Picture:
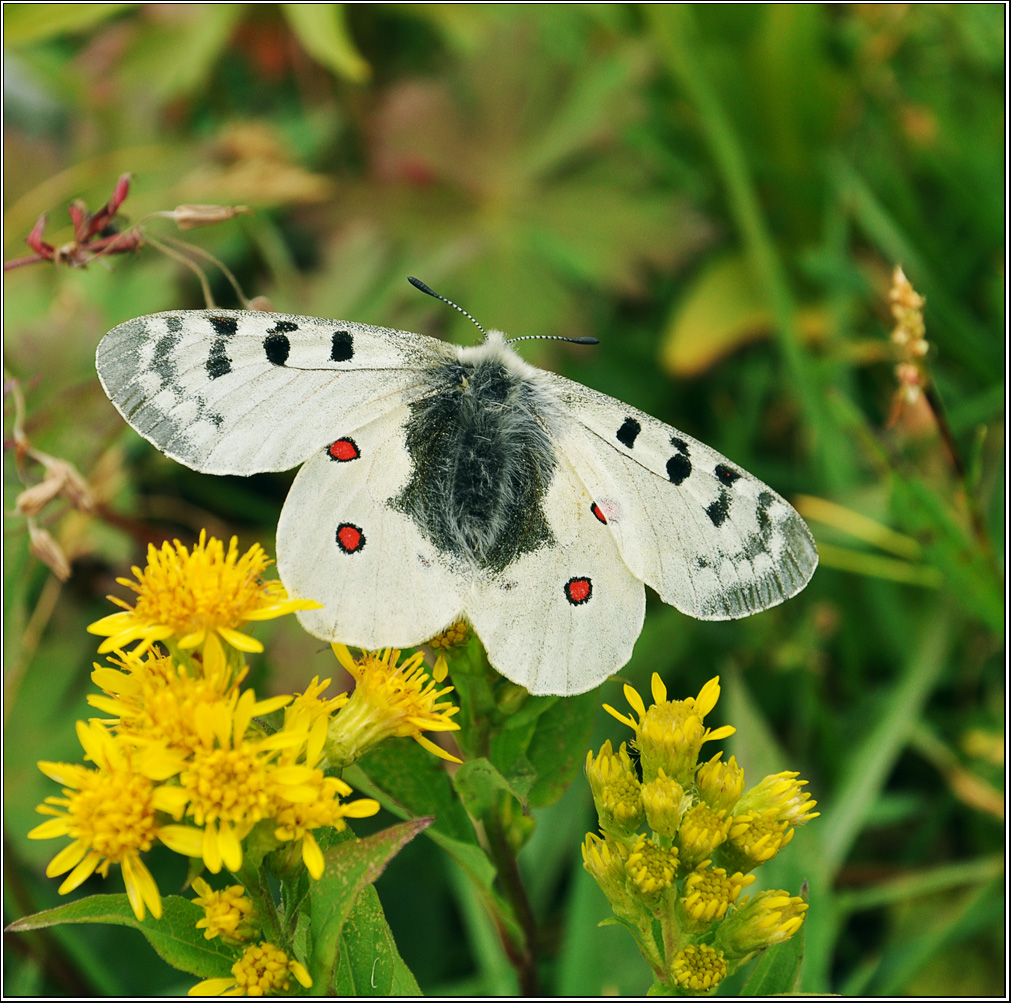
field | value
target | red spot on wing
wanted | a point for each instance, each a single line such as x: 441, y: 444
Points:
x: 578, y: 590
x: 343, y: 450
x: 595, y: 509
x: 350, y: 538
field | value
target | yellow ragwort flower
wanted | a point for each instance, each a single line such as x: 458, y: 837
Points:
x: 781, y: 795
x: 701, y: 831
x: 234, y: 779
x: 455, y: 634
x: 605, y: 858
x: 670, y: 734
x: 110, y: 813
x: 651, y: 867
x: 389, y: 700
x: 698, y: 968
x: 755, y: 839
x: 228, y: 914
x: 197, y: 597
x: 720, y: 784
x: 665, y: 803
x: 151, y: 698
x: 296, y: 819
x: 263, y: 970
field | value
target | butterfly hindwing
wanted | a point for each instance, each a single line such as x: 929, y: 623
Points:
x: 343, y: 542
x: 243, y: 391
x: 565, y: 616
x: 711, y: 539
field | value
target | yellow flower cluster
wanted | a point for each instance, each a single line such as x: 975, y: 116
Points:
x: 181, y: 756
x: 707, y: 834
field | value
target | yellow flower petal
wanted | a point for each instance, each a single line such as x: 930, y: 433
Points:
x: 312, y: 857
x: 183, y: 839
x: 708, y: 695
x: 635, y: 701
x: 240, y: 641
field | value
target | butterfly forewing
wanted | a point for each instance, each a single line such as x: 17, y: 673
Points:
x: 711, y: 539
x: 242, y: 392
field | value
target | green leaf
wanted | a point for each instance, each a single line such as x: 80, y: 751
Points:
x: 411, y: 783
x: 369, y: 963
x: 175, y: 936
x: 32, y: 22
x: 478, y: 783
x: 351, y: 866
x: 322, y: 30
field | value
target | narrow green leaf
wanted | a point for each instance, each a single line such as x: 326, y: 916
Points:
x: 350, y: 867
x: 411, y: 782
x: 322, y: 30
x: 175, y: 936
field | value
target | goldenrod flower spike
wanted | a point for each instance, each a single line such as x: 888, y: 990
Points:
x: 687, y: 915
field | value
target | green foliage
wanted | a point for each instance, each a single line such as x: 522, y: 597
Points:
x: 720, y: 195
x: 174, y: 936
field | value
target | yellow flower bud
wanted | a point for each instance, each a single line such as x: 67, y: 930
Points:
x: 665, y: 802
x: 698, y: 968
x: 760, y: 921
x: 720, y: 784
x: 616, y: 790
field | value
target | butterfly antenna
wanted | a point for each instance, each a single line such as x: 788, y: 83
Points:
x: 418, y: 284
x: 555, y: 337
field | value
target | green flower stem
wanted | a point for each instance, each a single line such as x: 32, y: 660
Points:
x: 254, y: 880
x: 522, y: 956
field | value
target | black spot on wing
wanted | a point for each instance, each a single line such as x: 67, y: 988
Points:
x: 678, y: 468
x: 626, y: 435
x: 224, y: 326
x: 163, y: 362
x: 679, y: 444
x: 726, y: 474
x: 719, y: 509
x: 218, y: 363
x: 342, y: 348
x: 276, y: 347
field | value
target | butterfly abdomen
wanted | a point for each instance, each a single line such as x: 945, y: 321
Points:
x: 482, y: 461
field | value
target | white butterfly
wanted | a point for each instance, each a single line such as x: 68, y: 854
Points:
x: 441, y: 481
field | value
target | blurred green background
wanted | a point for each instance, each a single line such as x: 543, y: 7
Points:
x: 720, y: 194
